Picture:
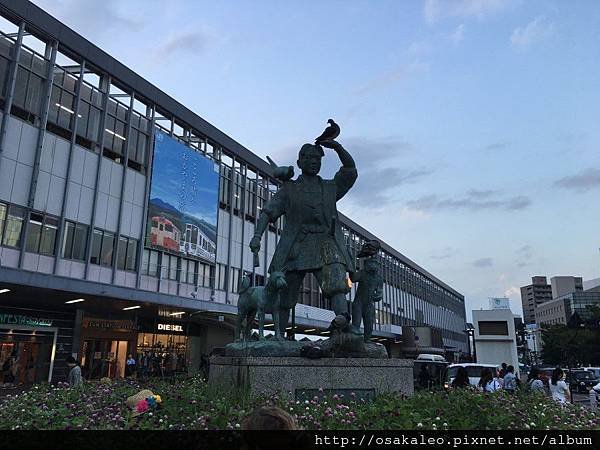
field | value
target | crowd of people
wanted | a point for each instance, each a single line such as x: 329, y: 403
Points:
x: 506, y: 380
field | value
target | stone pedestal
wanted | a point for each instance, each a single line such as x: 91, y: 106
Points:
x: 302, y: 378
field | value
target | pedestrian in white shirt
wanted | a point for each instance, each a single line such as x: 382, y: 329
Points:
x: 558, y: 387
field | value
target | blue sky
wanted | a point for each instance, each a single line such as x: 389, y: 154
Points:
x: 474, y: 122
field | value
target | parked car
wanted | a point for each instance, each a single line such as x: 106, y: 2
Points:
x: 473, y: 370
x: 581, y: 380
x: 596, y: 370
x: 429, y: 374
x: 430, y: 357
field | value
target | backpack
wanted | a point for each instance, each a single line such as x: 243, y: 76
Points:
x: 510, y: 382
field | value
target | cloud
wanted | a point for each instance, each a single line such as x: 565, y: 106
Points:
x: 400, y: 73
x: 524, y: 256
x: 435, y: 10
x: 512, y: 291
x: 483, y: 262
x: 183, y: 42
x: 496, y: 146
x: 582, y: 182
x: 458, y: 35
x: 474, y: 200
x: 93, y: 17
x: 373, y: 189
x: 444, y: 253
x: 380, y: 168
x: 535, y: 31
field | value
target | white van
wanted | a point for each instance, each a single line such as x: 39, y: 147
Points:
x: 473, y: 370
x: 430, y: 357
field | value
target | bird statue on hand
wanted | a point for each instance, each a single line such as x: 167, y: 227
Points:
x: 282, y: 173
x: 330, y: 133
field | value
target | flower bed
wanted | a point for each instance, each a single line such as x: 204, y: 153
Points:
x: 190, y: 404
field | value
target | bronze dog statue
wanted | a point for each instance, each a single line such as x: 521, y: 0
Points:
x: 259, y: 300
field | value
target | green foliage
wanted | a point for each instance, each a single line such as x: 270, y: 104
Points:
x: 571, y: 347
x: 190, y: 404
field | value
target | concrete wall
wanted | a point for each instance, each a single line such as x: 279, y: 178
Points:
x: 496, y: 349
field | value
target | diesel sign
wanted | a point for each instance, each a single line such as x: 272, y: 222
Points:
x: 169, y: 327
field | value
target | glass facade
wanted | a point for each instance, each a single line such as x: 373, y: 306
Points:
x: 91, y: 109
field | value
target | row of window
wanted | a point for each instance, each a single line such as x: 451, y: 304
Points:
x: 103, y: 247
x: 172, y: 267
x: 32, y: 72
x: 42, y: 233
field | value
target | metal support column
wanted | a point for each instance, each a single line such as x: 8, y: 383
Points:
x: 63, y: 209
x: 104, y: 84
x: 10, y: 85
x: 51, y: 59
x: 150, y: 111
x: 43, y: 120
x: 115, y: 254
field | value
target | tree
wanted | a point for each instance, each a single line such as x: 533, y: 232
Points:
x: 572, y: 345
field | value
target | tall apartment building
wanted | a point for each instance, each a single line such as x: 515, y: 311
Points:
x: 539, y: 291
x: 563, y: 285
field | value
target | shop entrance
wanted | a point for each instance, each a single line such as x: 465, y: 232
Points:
x: 25, y: 357
x: 103, y: 358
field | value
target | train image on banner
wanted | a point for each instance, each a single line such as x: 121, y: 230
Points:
x: 164, y: 234
x: 196, y: 243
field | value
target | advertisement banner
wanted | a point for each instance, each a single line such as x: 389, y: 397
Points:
x: 184, y: 195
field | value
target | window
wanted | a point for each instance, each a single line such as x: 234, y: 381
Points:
x: 3, y: 208
x: 108, y: 243
x: 102, y: 247
x: 172, y: 274
x: 153, y: 264
x: 14, y: 226
x: 41, y: 234
x: 234, y: 279
x: 127, y: 254
x: 499, y: 327
x: 96, y: 245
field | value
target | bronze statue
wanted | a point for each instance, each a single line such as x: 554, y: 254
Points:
x: 259, y: 300
x: 312, y: 239
x: 369, y: 290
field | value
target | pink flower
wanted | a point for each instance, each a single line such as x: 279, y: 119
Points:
x: 142, y: 406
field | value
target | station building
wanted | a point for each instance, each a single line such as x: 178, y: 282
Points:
x: 89, y: 268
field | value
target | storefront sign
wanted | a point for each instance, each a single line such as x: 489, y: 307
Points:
x: 169, y: 327
x: 110, y: 324
x: 17, y: 319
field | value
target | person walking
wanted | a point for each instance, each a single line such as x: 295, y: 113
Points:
x: 534, y: 381
x: 510, y: 380
x: 461, y: 380
x: 558, y: 387
x: 488, y: 382
x: 130, y: 366
x: 145, y: 364
x: 502, y: 370
x: 75, y: 372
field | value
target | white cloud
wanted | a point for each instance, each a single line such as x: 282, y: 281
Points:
x: 458, y: 35
x: 434, y: 10
x: 512, y: 291
x: 535, y: 31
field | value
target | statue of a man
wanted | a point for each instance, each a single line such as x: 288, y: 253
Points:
x: 312, y: 240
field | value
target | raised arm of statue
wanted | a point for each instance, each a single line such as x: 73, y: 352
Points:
x: 347, y: 175
x: 273, y: 209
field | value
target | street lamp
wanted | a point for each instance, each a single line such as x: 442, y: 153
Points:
x: 470, y: 331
